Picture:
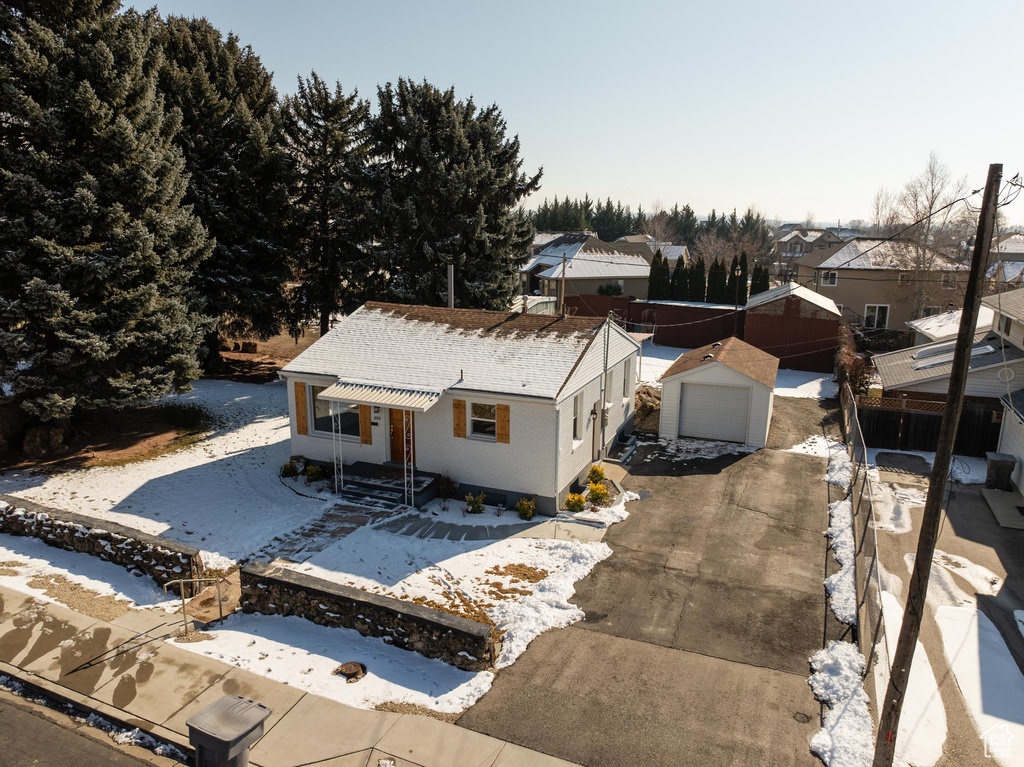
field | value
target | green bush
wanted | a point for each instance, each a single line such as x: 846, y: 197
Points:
x: 575, y: 502
x: 596, y: 474
x: 475, y: 504
x: 290, y: 470
x: 598, y: 493
x: 526, y: 507
x: 317, y: 473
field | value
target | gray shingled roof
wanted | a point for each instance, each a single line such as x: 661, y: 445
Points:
x: 896, y: 369
x: 1011, y: 302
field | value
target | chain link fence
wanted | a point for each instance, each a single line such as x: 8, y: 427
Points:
x: 871, y: 636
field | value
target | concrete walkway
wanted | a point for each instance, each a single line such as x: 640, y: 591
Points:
x: 126, y: 672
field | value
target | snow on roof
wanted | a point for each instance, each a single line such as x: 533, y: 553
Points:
x: 1011, y: 270
x: 874, y: 253
x: 808, y: 235
x: 567, y: 244
x: 942, y: 327
x: 792, y: 289
x: 1012, y: 244
x: 601, y: 265
x: 433, y: 349
x: 543, y: 238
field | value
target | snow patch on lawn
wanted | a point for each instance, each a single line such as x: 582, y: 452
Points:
x: 842, y: 586
x: 304, y: 655
x: 601, y: 516
x: 30, y: 558
x: 655, y: 360
x: 221, y: 495
x: 798, y: 383
x: 989, y: 679
x: 922, y: 729
x: 455, y: 514
x: 690, y: 449
x: 818, y: 446
x: 845, y: 738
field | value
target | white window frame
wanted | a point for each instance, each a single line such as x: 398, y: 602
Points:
x: 825, y: 283
x: 577, y: 416
x: 876, y: 307
x: 482, y: 436
x: 840, y: 308
x: 1005, y: 323
x: 930, y: 311
x: 626, y: 365
x: 311, y: 402
x: 905, y: 278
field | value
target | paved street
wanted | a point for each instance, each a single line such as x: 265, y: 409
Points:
x: 28, y: 738
x: 695, y: 646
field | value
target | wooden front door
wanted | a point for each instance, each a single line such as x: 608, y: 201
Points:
x: 397, y: 428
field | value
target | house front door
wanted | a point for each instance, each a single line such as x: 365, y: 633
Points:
x: 402, y: 422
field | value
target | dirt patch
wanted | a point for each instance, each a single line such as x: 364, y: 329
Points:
x: 412, y: 708
x: 270, y: 356
x: 8, y: 571
x: 794, y: 419
x: 11, y: 563
x: 80, y: 599
x: 120, y: 437
x: 519, y: 572
x: 188, y: 637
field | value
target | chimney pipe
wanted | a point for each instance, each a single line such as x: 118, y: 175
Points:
x: 451, y: 285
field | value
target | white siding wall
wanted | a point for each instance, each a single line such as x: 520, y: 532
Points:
x: 1016, y: 336
x: 982, y: 383
x: 526, y: 465
x: 1011, y: 441
x: 762, y: 400
x: 576, y: 455
x: 320, y: 447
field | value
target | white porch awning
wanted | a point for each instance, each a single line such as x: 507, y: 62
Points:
x: 417, y: 400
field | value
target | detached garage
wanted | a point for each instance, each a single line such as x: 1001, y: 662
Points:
x: 721, y: 391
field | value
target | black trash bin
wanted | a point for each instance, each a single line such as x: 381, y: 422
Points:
x: 223, y: 731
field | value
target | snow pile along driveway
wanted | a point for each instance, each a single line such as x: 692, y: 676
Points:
x: 845, y: 738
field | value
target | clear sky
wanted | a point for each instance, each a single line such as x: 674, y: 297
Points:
x: 792, y: 107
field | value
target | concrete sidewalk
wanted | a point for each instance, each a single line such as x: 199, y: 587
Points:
x: 126, y: 672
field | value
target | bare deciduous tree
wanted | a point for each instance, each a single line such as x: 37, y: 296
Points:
x: 710, y: 246
x: 885, y: 217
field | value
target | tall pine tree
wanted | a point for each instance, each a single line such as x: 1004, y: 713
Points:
x: 326, y: 133
x: 96, y: 248
x: 680, y: 281
x: 698, y: 282
x: 238, y: 176
x: 448, y: 185
x: 654, y: 278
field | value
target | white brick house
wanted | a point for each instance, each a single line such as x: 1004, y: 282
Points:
x: 508, y: 403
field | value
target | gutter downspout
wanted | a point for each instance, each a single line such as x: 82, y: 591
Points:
x: 604, y: 393
x: 558, y: 449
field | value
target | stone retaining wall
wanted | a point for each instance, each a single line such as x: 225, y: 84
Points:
x: 456, y: 640
x: 161, y: 559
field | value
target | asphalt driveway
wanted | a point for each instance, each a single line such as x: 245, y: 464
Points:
x: 698, y: 628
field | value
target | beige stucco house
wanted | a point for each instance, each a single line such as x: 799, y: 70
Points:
x: 873, y: 282
x: 510, y: 404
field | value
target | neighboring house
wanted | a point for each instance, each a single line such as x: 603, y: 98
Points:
x: 797, y: 325
x: 672, y: 253
x: 591, y: 273
x: 571, y: 245
x: 534, y: 304
x: 945, y: 326
x: 722, y: 391
x: 511, y: 404
x: 872, y: 281
x: 811, y: 249
x: 1007, y: 262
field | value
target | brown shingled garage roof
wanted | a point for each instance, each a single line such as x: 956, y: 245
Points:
x: 733, y: 353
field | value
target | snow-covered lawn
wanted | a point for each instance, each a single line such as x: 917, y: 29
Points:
x: 222, y: 495
x: 818, y: 446
x: 304, y: 655
x: 655, y: 360
x: 23, y: 560
x: 799, y: 383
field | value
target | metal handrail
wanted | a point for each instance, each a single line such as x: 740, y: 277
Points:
x: 181, y: 588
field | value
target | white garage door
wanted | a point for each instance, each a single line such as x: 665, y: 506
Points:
x: 714, y: 412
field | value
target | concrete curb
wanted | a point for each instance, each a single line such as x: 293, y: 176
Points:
x: 47, y: 689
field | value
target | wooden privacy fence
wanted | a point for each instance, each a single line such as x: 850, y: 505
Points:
x: 904, y: 423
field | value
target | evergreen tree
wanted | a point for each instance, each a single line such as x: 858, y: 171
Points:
x: 760, y: 281
x: 664, y: 277
x: 685, y: 225
x: 717, y: 290
x: 448, y: 184
x: 96, y: 248
x: 326, y: 133
x: 681, y: 281
x: 743, y: 280
x: 638, y: 221
x: 234, y: 154
x: 698, y: 282
x: 732, y: 282
x: 654, y: 278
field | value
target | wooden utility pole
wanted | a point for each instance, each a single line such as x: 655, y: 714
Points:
x: 561, y: 289
x: 885, y: 744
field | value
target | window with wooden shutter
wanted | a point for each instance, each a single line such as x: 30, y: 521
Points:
x: 365, y: 425
x: 459, y: 418
x: 503, y: 424
x: 301, y: 423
